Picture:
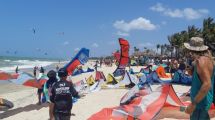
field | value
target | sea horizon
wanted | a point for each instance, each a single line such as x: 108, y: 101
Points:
x: 9, y: 63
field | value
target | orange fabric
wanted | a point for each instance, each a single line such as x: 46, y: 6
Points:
x: 5, y: 76
x: 105, y: 114
x: 73, y: 66
x: 14, y: 76
x: 35, y: 83
x: 161, y: 72
x: 124, y: 58
x: 166, y: 98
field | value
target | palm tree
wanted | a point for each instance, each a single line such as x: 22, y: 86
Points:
x: 136, y: 50
x: 162, y: 50
x: 208, y: 31
x: 194, y: 31
x: 176, y: 40
x: 158, y: 46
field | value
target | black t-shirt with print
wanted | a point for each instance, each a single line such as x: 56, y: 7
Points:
x: 62, y: 93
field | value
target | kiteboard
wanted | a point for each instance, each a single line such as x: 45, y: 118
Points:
x: 5, y: 104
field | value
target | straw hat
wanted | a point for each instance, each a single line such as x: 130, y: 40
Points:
x: 196, y: 44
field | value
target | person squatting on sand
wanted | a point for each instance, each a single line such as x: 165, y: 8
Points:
x: 203, y: 80
x: 61, y: 96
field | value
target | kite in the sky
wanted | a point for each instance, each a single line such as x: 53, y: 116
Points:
x: 60, y: 33
x: 34, y: 30
x: 7, y: 51
x: 15, y: 52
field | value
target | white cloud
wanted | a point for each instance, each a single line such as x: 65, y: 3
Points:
x: 194, y: 14
x: 66, y: 43
x: 112, y: 42
x: 174, y: 13
x: 158, y: 7
x: 136, y: 24
x: 95, y: 45
x: 188, y: 13
x: 102, y: 27
x: 163, y: 22
x: 76, y: 49
x: 147, y: 44
x: 122, y: 33
x: 205, y: 11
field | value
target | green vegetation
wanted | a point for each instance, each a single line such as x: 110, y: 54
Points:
x: 207, y: 32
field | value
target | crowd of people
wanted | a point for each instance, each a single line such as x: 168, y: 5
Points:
x: 198, y: 63
x: 171, y: 64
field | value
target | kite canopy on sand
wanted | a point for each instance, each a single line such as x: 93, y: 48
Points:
x: 146, y: 106
x: 81, y: 58
x: 116, y: 55
x: 7, y: 76
x: 23, y: 79
x: 28, y: 80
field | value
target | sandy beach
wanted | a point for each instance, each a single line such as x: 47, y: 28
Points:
x: 25, y: 99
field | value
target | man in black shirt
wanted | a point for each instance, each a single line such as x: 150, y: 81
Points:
x: 62, y: 93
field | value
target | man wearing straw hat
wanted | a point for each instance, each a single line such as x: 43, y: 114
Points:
x: 203, y: 79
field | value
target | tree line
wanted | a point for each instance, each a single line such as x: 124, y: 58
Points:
x: 207, y: 32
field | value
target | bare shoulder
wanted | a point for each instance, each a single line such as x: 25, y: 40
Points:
x: 204, y: 63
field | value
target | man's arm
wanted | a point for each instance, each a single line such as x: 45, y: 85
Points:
x: 73, y: 91
x: 204, y: 74
x: 205, y: 77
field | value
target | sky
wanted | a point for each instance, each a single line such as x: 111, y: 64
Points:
x: 59, y: 28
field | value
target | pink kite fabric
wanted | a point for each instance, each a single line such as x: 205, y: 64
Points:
x: 124, y: 57
x: 117, y: 56
x: 143, y: 107
x: 7, y: 76
x: 100, y: 76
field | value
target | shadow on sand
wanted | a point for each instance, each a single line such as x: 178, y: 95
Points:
x: 27, y: 108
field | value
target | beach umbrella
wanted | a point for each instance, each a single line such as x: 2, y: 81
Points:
x: 7, y: 76
x: 28, y: 80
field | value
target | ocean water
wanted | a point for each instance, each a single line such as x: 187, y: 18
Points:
x: 9, y: 63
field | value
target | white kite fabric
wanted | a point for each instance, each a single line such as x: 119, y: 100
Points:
x: 143, y: 104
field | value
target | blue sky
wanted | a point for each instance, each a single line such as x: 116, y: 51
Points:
x: 64, y: 26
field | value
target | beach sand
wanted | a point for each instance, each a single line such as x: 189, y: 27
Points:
x: 25, y: 99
